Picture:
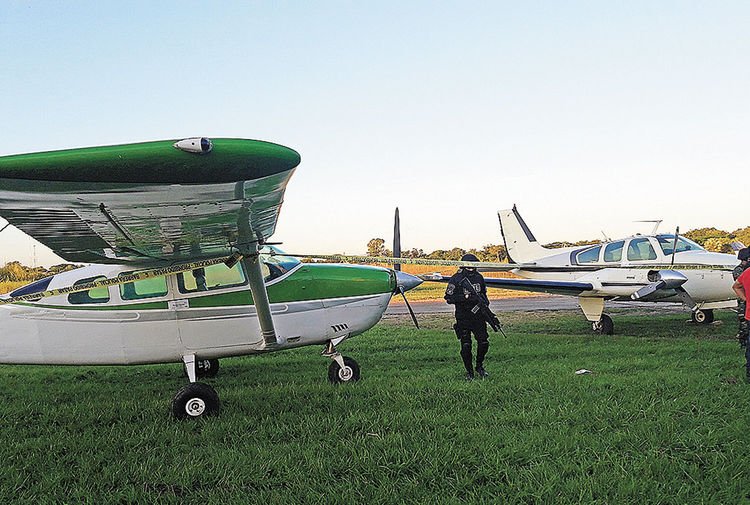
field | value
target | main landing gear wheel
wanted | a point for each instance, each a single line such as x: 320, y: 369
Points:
x: 195, y: 400
x: 349, y: 373
x: 604, y: 325
x: 703, y: 316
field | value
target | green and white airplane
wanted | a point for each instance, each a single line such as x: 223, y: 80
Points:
x: 176, y: 235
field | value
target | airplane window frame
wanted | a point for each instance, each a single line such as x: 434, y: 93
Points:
x: 135, y: 296
x: 584, y: 251
x: 650, y: 246
x: 182, y: 288
x: 619, y: 258
x: 667, y: 240
x: 73, y: 297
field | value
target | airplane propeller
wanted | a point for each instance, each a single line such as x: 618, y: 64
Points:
x: 404, y: 281
x: 674, y: 246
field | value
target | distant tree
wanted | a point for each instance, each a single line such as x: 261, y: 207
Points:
x: 742, y: 235
x: 14, y: 272
x: 455, y: 254
x: 438, y: 254
x: 376, y: 247
x: 557, y: 245
x: 493, y: 252
x: 718, y: 244
x: 700, y: 235
x: 415, y: 253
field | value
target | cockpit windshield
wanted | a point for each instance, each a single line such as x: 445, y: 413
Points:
x: 666, y: 242
x: 275, y: 263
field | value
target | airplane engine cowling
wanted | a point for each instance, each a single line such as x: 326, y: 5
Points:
x: 661, y: 280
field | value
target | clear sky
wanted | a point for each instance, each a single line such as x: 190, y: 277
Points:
x: 588, y: 115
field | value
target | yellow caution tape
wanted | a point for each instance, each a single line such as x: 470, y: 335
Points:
x: 123, y: 279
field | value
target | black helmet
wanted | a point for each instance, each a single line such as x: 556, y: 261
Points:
x: 743, y: 254
x: 469, y: 257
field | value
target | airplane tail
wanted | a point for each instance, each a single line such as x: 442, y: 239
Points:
x: 520, y: 243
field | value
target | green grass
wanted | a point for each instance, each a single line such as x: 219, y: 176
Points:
x: 663, y: 419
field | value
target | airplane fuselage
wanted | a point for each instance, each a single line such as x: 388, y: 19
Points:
x: 209, y: 314
x: 707, y: 287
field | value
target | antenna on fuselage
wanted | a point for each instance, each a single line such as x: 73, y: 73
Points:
x: 606, y: 238
x: 656, y: 222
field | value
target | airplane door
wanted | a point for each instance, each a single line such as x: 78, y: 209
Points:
x: 213, y: 310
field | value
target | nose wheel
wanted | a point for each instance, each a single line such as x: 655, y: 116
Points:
x: 347, y: 371
x: 342, y: 368
x: 703, y: 316
x: 604, y: 325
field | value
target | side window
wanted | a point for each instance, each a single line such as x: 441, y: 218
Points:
x: 589, y: 255
x: 613, y: 251
x: 146, y: 288
x: 640, y: 249
x: 96, y: 295
x: 212, y: 277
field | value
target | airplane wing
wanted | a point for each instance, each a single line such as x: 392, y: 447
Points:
x: 538, y: 286
x: 153, y: 202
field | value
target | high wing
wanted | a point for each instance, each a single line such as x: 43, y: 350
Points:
x: 153, y: 202
x: 538, y: 286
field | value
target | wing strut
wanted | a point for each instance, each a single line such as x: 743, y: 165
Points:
x: 260, y: 297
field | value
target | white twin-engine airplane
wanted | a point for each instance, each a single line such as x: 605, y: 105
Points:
x: 181, y: 271
x: 653, y: 268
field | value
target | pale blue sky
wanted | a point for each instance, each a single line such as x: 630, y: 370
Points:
x: 588, y: 115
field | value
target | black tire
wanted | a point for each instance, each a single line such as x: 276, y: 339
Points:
x: 194, y: 401
x: 604, y: 325
x: 350, y: 372
x: 703, y: 316
x: 206, y: 368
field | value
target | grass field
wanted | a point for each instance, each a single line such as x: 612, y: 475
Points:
x: 662, y: 419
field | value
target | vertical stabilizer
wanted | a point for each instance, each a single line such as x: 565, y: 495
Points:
x: 520, y: 243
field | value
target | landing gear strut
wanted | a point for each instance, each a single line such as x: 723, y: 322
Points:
x: 604, y: 325
x: 196, y: 399
x: 343, y: 368
x: 703, y: 316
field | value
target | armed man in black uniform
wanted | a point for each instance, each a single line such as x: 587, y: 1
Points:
x: 744, y: 256
x: 468, y: 319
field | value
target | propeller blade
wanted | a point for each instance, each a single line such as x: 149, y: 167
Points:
x: 674, y: 246
x: 396, y: 240
x: 411, y: 312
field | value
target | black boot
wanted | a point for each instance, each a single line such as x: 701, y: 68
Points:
x: 482, y: 372
x: 469, y: 375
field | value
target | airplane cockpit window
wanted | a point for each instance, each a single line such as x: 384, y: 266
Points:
x: 640, y: 249
x: 96, y: 295
x: 589, y: 255
x: 145, y: 288
x: 34, y: 287
x: 613, y: 251
x: 275, y: 264
x: 667, y: 244
x: 212, y: 277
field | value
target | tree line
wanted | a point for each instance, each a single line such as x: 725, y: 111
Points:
x: 712, y: 239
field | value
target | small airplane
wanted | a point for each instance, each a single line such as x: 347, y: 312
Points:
x: 181, y: 270
x: 650, y: 268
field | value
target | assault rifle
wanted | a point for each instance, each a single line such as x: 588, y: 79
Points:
x: 482, y: 308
